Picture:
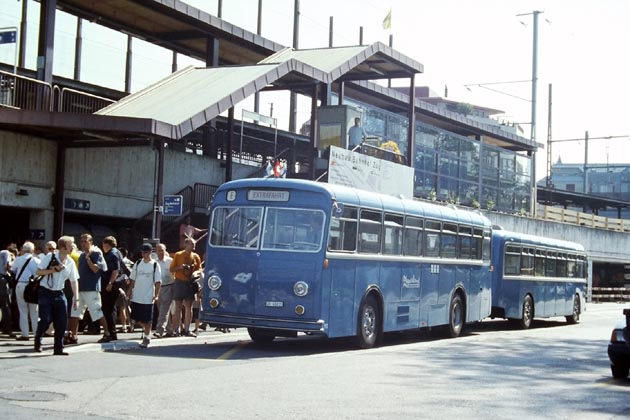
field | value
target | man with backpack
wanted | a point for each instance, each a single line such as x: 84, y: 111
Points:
x: 146, y: 279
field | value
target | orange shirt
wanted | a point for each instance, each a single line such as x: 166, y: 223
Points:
x: 180, y: 258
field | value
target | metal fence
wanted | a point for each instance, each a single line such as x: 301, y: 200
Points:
x: 610, y: 294
x: 583, y: 219
x: 71, y: 100
x: 21, y: 92
x: 25, y: 93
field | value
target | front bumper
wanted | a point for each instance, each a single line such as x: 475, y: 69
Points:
x: 619, y: 354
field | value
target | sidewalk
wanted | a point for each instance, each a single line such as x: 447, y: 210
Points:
x: 10, y: 348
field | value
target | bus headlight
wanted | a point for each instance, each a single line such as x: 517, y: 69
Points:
x: 299, y: 309
x: 214, y: 282
x: 214, y: 302
x: 300, y: 289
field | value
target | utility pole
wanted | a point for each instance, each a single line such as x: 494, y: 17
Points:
x: 585, y: 161
x: 535, y: 14
x: 549, y: 155
x: 293, y: 96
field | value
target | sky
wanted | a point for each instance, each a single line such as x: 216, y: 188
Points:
x: 467, y: 47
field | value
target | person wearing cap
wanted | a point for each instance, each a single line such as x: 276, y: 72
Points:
x: 184, y: 264
x: 146, y: 279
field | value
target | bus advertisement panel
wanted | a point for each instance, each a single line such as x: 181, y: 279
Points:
x: 287, y: 256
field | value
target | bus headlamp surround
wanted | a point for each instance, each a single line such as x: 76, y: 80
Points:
x: 214, y: 282
x: 300, y: 288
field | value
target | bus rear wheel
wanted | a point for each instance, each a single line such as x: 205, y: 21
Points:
x: 260, y: 336
x: 574, y: 318
x: 528, y: 313
x: 368, y: 329
x: 456, y: 317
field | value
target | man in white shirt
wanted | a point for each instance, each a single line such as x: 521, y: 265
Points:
x: 146, y: 278
x: 24, y: 267
x: 165, y: 300
x: 55, y: 268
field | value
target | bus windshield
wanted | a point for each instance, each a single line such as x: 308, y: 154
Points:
x: 286, y: 229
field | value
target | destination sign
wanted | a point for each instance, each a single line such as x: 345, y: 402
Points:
x: 267, y: 195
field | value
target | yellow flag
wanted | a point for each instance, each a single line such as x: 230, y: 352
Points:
x: 387, y: 22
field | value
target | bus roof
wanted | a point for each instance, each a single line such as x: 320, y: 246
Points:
x: 366, y: 199
x: 524, y: 238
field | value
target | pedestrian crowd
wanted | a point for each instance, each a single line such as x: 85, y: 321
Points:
x: 157, y: 292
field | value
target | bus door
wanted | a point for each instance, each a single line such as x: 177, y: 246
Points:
x: 290, y: 263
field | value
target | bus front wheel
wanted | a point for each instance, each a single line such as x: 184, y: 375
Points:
x: 528, y: 313
x: 368, y: 329
x: 574, y: 318
x: 456, y: 317
x: 260, y: 336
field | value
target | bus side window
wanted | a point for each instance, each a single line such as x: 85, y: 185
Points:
x: 412, y: 241
x: 343, y: 231
x: 449, y: 240
x: 512, y: 260
x: 393, y: 234
x: 540, y: 263
x: 465, y: 240
x: 485, y: 245
x: 527, y: 262
x: 432, y: 238
x: 572, y: 266
x: 477, y: 251
x: 370, y: 231
x: 550, y: 264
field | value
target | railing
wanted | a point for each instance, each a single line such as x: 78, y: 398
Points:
x: 22, y: 92
x: 557, y: 214
x: 608, y: 294
x: 25, y: 93
x: 203, y: 194
x: 71, y: 100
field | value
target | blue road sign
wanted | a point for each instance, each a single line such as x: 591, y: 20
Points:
x: 8, y: 37
x: 173, y: 205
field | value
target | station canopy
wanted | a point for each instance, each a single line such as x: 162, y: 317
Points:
x: 192, y: 97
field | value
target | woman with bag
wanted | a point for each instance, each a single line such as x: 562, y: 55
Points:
x: 24, y: 267
x: 55, y: 268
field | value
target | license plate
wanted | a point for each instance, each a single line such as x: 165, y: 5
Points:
x: 274, y: 304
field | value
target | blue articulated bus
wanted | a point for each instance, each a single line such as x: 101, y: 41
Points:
x: 537, y: 277
x: 288, y: 256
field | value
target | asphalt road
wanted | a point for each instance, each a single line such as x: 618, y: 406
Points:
x: 552, y: 371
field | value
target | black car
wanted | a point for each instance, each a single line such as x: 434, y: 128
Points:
x: 619, y: 348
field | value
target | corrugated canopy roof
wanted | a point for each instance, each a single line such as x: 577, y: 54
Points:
x: 192, y: 97
x: 363, y: 62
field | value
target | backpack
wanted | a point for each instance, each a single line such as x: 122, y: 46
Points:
x: 154, y: 266
x: 123, y: 269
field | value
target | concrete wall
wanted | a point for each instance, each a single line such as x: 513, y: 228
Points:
x: 118, y: 182
x: 121, y: 181
x: 26, y: 163
x: 601, y: 245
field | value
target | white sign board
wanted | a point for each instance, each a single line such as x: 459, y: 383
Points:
x: 369, y: 173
